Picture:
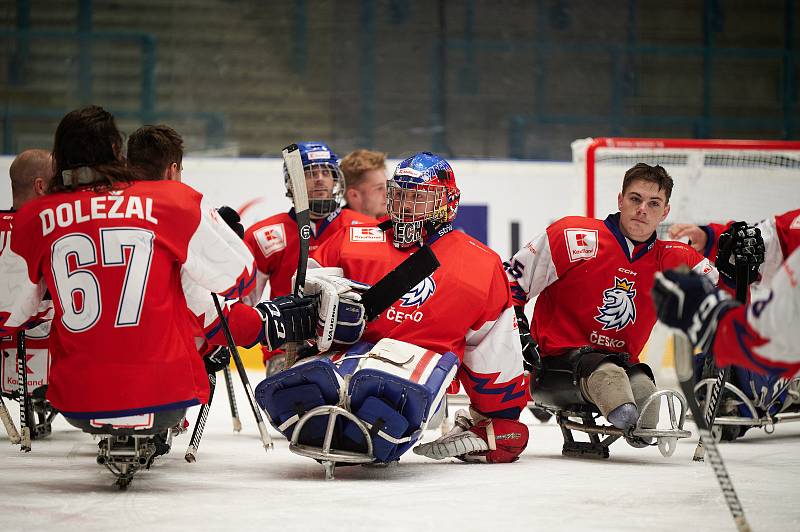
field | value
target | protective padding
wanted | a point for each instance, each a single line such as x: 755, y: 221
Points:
x: 375, y: 395
x: 291, y: 393
x: 556, y: 389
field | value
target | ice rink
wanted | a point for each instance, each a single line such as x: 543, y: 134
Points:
x: 236, y: 486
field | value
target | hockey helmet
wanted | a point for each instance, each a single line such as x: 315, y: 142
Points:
x: 422, y: 194
x: 319, y: 163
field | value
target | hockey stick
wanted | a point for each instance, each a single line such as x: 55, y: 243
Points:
x: 266, y: 440
x: 8, y: 423
x: 237, y: 423
x: 297, y: 178
x: 712, y: 402
x: 684, y: 370
x: 200, y: 424
x: 25, y: 413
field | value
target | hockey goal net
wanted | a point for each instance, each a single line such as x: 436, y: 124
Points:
x: 715, y: 180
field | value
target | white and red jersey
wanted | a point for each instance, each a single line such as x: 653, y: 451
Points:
x: 781, y: 234
x: 593, y: 284
x: 463, y: 307
x: 116, y: 263
x: 37, y: 339
x: 276, y: 245
x: 764, y: 335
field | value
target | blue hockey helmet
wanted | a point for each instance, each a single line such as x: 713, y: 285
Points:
x: 422, y: 194
x: 319, y: 164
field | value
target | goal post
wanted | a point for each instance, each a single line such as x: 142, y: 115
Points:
x: 715, y: 179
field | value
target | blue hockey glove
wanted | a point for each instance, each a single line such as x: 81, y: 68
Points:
x: 287, y: 319
x: 740, y: 244
x: 691, y: 303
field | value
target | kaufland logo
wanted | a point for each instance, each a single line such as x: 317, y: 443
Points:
x: 366, y: 234
x: 581, y: 243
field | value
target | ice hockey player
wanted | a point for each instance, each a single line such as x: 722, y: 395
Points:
x: 365, y: 175
x: 30, y: 174
x: 274, y: 240
x: 762, y: 335
x: 116, y: 250
x: 460, y: 316
x: 593, y: 314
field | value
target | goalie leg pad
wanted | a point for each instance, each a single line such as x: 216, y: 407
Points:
x: 289, y: 394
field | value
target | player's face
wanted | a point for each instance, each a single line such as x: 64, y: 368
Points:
x: 319, y: 182
x: 411, y: 204
x: 371, y: 194
x: 642, y: 207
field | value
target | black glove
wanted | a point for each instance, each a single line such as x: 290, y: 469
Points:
x: 288, y: 319
x: 531, y: 361
x: 231, y: 217
x: 691, y: 303
x: 217, y: 360
x: 740, y: 244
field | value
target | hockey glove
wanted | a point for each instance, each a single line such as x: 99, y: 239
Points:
x: 531, y: 360
x: 287, y: 319
x: 691, y: 303
x: 740, y: 244
x: 342, y: 317
x: 482, y: 439
x: 231, y: 217
x: 217, y: 359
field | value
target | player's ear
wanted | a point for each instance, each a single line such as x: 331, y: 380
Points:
x: 666, y: 212
x: 619, y: 201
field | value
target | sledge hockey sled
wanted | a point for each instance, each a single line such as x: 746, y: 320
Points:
x: 556, y: 393
x: 766, y: 403
x: 128, y: 444
x: 368, y: 405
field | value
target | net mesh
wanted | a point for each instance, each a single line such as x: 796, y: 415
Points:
x: 711, y: 184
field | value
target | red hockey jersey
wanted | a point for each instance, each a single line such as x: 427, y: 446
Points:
x: 593, y: 284
x: 463, y: 307
x: 275, y: 245
x: 122, y: 341
x: 764, y: 335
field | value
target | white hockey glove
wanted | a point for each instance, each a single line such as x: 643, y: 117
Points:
x: 481, y: 439
x: 341, y: 316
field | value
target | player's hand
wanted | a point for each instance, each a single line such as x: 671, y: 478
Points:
x: 342, y: 317
x: 232, y: 218
x: 691, y: 303
x: 740, y: 244
x: 482, y: 439
x: 695, y: 235
x: 217, y: 359
x: 287, y: 319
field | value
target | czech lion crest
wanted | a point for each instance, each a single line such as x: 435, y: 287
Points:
x: 618, y: 308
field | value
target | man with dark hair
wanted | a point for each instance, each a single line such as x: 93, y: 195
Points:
x: 594, y: 313
x: 158, y: 150
x: 117, y: 252
x: 365, y: 176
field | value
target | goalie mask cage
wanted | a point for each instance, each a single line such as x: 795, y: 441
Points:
x: 715, y: 180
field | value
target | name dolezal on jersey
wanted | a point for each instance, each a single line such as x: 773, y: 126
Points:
x: 271, y: 238
x: 618, y: 309
x: 99, y: 208
x: 581, y: 243
x: 366, y: 234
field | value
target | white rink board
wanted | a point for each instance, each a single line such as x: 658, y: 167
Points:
x: 235, y: 486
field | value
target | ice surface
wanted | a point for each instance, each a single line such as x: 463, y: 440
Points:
x: 236, y: 486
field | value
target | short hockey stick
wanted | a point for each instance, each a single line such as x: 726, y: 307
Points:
x: 684, y: 370
x: 715, y: 395
x: 25, y: 412
x: 297, y: 178
x: 237, y: 423
x: 200, y: 424
x: 266, y: 440
x: 8, y: 423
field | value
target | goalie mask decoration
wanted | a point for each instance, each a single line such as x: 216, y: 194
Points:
x: 324, y: 179
x: 422, y: 195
